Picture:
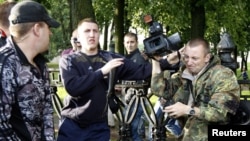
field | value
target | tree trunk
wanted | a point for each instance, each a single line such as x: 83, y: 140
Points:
x: 119, y: 28
x: 81, y: 9
x: 198, y: 19
x: 105, y: 42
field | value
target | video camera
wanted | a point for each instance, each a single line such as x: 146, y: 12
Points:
x: 158, y: 43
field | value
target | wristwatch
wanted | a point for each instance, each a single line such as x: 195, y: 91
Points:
x: 191, y: 112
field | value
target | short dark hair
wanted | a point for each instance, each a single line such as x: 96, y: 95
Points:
x: 131, y: 34
x: 5, y: 9
x: 88, y: 20
x: 199, y: 41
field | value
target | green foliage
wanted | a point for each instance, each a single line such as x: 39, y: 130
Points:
x: 53, y: 65
x: 59, y: 10
x: 104, y: 11
x: 221, y: 16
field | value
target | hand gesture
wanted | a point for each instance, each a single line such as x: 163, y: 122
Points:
x: 111, y: 64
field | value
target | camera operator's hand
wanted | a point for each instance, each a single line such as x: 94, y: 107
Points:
x: 177, y: 110
x: 174, y: 57
x: 111, y: 64
x: 144, y: 55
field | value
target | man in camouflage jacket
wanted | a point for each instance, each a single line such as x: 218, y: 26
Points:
x: 205, y: 92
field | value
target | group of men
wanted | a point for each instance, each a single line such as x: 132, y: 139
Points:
x: 204, y: 91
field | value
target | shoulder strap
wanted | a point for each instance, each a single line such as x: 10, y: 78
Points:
x: 16, y: 119
x: 111, y: 82
x: 107, y: 57
x: 190, y: 86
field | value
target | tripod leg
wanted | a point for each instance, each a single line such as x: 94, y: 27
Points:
x: 146, y: 103
x: 131, y: 111
x: 56, y: 101
x: 125, y: 131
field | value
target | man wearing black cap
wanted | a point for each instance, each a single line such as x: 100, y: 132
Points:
x: 25, y: 103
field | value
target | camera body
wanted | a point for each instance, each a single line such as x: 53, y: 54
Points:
x: 158, y: 43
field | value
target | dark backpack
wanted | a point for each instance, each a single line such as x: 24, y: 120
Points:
x: 242, y: 116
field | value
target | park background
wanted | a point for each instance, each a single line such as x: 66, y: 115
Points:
x: 190, y: 18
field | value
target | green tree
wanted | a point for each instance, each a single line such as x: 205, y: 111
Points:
x: 191, y: 18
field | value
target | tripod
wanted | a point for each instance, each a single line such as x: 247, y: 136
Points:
x: 56, y: 101
x: 126, y: 115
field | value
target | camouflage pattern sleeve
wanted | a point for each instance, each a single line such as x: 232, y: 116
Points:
x: 225, y: 95
x: 157, y: 84
x: 7, y: 99
x: 165, y: 85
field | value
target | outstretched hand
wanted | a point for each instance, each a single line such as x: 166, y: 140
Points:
x: 111, y: 64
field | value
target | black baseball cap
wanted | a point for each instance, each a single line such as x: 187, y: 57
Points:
x: 31, y: 11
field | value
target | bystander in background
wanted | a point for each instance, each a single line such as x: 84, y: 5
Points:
x: 133, y: 53
x: 244, y: 74
x: 75, y: 44
x: 5, y: 8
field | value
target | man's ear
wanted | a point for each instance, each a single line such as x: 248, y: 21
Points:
x: 208, y: 56
x: 36, y: 29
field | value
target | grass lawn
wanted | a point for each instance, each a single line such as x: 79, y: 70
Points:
x: 61, y: 92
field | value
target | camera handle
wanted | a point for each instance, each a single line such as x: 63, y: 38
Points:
x: 126, y: 116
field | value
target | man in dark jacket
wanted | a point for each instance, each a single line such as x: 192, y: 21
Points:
x: 134, y: 54
x: 85, y: 77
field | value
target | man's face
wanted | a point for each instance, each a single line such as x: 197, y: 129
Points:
x: 73, y: 40
x: 88, y: 36
x: 195, y: 58
x: 130, y: 44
